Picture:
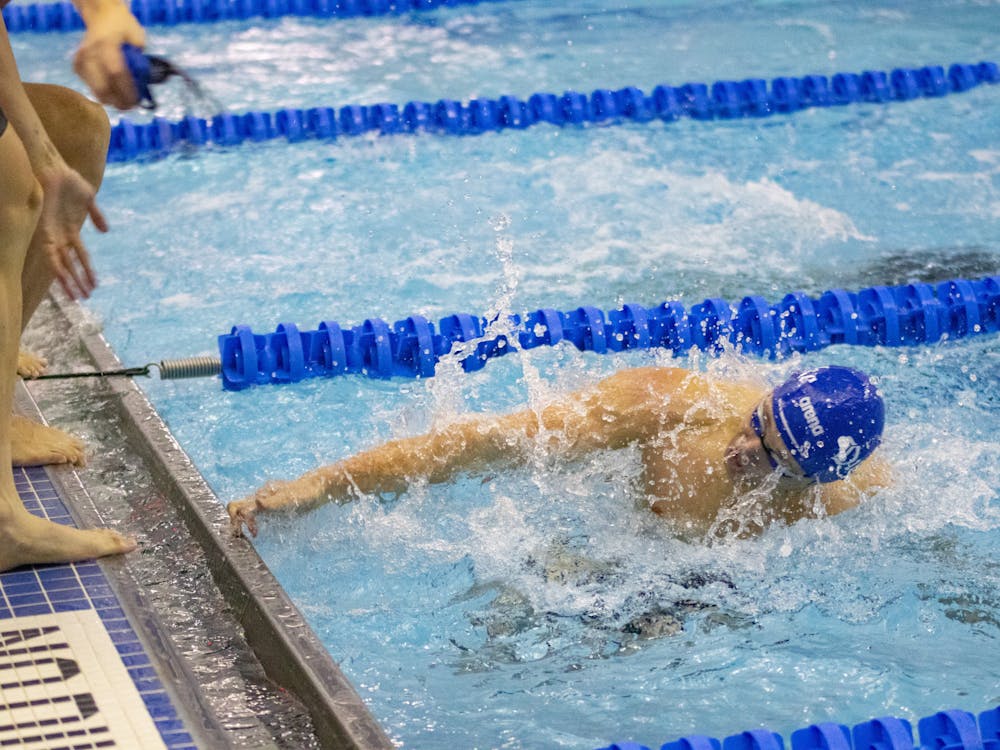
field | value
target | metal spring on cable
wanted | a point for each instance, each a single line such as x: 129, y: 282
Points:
x: 189, y: 367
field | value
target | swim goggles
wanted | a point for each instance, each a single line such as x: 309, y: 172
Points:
x: 149, y: 70
x: 757, y: 425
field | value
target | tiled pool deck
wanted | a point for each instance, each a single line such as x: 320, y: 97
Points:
x: 73, y: 672
x: 188, y: 642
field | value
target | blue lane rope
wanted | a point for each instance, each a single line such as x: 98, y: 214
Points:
x: 753, y: 97
x: 62, y: 16
x: 951, y: 729
x: 877, y: 316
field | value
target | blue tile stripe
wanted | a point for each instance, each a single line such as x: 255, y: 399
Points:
x: 47, y: 589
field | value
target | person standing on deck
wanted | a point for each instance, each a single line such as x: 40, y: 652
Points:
x: 66, y: 136
x: 53, y: 145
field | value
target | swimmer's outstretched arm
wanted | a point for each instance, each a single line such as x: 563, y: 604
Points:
x: 617, y: 411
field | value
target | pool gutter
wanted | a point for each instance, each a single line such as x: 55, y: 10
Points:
x: 286, y: 646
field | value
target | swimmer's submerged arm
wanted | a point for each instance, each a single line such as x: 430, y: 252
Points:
x: 612, y: 414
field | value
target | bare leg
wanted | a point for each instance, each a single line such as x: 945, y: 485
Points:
x: 25, y: 538
x: 80, y: 131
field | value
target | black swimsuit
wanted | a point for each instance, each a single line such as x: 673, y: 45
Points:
x: 3, y: 122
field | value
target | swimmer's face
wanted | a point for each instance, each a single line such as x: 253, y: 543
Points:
x: 758, y: 450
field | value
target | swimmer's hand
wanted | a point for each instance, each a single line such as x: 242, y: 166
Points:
x: 271, y: 495
x: 243, y: 513
x: 299, y: 494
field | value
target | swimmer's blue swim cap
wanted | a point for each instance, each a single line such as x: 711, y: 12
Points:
x: 830, y: 419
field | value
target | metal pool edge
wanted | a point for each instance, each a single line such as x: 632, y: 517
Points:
x: 287, y: 648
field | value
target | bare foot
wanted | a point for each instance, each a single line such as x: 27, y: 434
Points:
x: 30, y: 365
x: 26, y: 539
x: 33, y: 444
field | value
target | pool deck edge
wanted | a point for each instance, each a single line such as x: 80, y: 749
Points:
x: 287, y: 648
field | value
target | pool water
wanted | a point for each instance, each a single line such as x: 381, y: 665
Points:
x: 544, y: 607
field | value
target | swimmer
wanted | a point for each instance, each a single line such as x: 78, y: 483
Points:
x: 801, y: 450
x: 43, y: 203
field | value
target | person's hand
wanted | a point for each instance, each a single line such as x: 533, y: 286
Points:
x: 67, y: 201
x: 99, y: 60
x: 243, y: 513
x: 272, y: 495
x: 295, y: 494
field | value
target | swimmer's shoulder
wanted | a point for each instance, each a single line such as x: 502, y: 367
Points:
x: 678, y: 390
x: 874, y: 474
x: 655, y: 379
x: 652, y: 390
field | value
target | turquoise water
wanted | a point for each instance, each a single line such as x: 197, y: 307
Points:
x: 513, y: 610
